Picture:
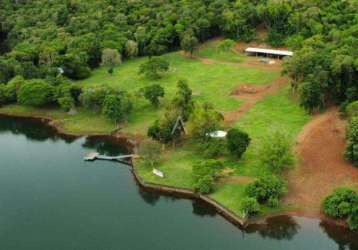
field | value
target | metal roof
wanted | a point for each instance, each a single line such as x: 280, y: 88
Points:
x: 270, y: 51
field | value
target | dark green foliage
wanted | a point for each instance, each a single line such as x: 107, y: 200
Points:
x: 153, y: 93
x: 352, y: 109
x: 204, y: 175
x: 35, y: 93
x: 213, y: 148
x: 8, y: 92
x: 353, y: 218
x: 250, y: 206
x: 154, y: 68
x: 276, y: 153
x: 74, y: 67
x: 205, y: 119
x: 205, y: 185
x: 237, y: 142
x: 340, y: 203
x: 266, y: 188
x: 66, y: 102
x: 182, y: 101
x: 162, y: 129
x: 116, y: 106
x: 92, y: 98
x: 352, y: 141
x: 189, y: 42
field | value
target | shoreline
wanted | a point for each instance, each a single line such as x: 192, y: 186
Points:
x: 132, y: 143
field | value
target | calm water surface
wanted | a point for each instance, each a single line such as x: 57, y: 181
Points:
x: 51, y: 199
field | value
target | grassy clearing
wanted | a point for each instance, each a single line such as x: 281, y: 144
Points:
x: 210, y: 83
x: 277, y: 112
x: 210, y: 50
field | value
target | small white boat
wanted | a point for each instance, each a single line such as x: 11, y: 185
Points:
x: 158, y: 173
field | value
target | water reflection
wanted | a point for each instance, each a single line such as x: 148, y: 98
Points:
x: 33, y: 129
x: 345, y: 238
x: 202, y: 209
x: 105, y: 145
x: 279, y: 228
x: 149, y: 197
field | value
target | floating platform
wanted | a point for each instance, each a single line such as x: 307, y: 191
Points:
x: 96, y: 156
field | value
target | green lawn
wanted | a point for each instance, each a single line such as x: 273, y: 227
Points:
x: 212, y: 83
x: 277, y: 112
x: 210, y: 50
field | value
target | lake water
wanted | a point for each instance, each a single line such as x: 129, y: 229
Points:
x: 51, y: 199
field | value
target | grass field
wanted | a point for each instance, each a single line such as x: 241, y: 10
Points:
x: 277, y: 112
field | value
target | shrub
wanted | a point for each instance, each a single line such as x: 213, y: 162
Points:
x: 152, y: 93
x: 267, y: 187
x: 35, y: 93
x: 204, y: 120
x: 154, y: 68
x: 340, y: 203
x: 353, y: 218
x: 182, y: 101
x: 352, y: 141
x: 66, y: 102
x: 150, y: 152
x: 276, y: 152
x: 92, y: 98
x: 12, y: 87
x: 116, y: 107
x: 214, y: 147
x: 352, y: 109
x: 204, y: 174
x: 205, y: 185
x: 250, y: 206
x: 237, y: 142
x: 161, y: 130
x: 273, y: 202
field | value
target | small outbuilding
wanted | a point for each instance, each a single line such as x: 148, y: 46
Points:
x: 268, y: 52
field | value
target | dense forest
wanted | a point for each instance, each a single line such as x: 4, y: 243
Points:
x: 39, y: 38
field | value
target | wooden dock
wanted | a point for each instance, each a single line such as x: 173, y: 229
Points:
x: 96, y: 156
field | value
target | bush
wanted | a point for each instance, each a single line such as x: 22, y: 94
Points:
x: 161, y: 130
x: 182, y: 101
x: 237, y: 142
x: 352, y: 141
x: 340, y: 203
x: 352, y: 109
x: 276, y: 152
x: 150, y: 151
x: 250, y: 206
x: 152, y: 93
x: 35, y: 93
x: 154, y: 68
x: 204, y: 120
x: 353, y: 218
x: 12, y: 87
x: 273, y: 202
x: 204, y: 174
x: 266, y: 188
x: 116, y: 106
x: 66, y: 102
x: 214, y: 147
x: 92, y: 98
x: 205, y: 185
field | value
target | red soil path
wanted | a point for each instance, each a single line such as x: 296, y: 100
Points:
x: 322, y: 167
x: 251, y: 94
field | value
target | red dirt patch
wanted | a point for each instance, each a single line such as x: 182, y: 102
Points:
x: 322, y: 167
x: 251, y: 94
